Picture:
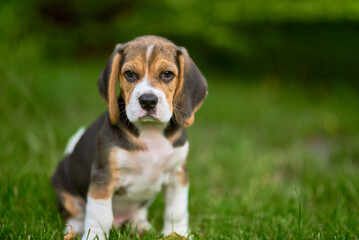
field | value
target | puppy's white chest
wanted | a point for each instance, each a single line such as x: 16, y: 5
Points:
x: 143, y: 173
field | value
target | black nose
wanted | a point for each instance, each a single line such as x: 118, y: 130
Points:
x: 148, y: 101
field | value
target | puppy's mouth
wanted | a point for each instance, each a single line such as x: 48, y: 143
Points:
x: 148, y: 117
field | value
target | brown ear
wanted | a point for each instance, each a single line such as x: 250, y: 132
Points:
x: 107, y: 83
x: 191, y: 89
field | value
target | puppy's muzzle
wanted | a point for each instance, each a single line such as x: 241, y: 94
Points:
x: 148, y: 101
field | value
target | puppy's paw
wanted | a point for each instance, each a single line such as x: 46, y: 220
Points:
x: 141, y: 227
x: 71, y: 234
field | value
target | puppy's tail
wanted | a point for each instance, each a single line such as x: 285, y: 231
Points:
x: 74, y: 140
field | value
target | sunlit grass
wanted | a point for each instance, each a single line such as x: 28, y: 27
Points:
x: 267, y: 159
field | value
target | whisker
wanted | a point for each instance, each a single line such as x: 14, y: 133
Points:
x: 182, y: 111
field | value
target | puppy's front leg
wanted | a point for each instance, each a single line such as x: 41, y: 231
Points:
x: 99, y: 218
x: 99, y: 213
x: 176, y: 198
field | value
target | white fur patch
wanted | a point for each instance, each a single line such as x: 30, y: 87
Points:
x: 71, y: 144
x: 149, y: 51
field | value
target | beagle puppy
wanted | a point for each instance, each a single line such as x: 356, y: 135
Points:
x: 112, y: 171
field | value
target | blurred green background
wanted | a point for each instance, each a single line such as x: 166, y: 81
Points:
x: 274, y: 149
x: 301, y: 40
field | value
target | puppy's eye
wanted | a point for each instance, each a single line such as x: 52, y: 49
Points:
x: 166, y: 76
x: 130, y: 75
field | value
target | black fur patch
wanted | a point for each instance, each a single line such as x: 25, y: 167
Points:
x: 171, y: 129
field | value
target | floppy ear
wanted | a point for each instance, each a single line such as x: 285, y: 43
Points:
x: 107, y: 82
x: 191, y: 89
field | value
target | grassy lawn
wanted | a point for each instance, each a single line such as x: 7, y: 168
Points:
x: 268, y: 159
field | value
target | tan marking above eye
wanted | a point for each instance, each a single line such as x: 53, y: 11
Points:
x: 163, y: 65
x: 137, y: 66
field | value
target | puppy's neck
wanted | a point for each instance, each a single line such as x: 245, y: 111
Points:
x: 149, y: 130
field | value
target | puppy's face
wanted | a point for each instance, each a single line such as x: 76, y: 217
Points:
x: 158, y: 80
x: 149, y: 79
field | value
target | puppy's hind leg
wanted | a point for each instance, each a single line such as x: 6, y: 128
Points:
x: 72, y: 209
x: 70, y: 204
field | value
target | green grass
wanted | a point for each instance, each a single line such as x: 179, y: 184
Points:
x: 268, y: 159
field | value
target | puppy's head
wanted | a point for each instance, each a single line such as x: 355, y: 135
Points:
x: 157, y: 80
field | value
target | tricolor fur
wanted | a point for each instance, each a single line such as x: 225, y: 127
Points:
x: 138, y: 147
